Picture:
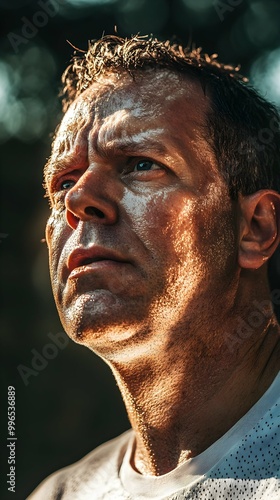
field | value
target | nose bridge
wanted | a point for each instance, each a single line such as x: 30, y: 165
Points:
x: 93, y: 180
x: 93, y: 196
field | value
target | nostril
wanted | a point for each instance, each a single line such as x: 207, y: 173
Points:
x: 94, y: 211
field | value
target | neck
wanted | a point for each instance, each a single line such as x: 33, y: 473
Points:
x: 182, y: 398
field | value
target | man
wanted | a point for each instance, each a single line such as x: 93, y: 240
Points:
x: 165, y: 211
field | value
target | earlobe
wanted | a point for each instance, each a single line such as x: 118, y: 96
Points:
x: 259, y: 228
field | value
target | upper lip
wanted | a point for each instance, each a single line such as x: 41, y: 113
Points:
x: 83, y: 256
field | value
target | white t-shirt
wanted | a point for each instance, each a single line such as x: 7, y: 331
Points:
x: 243, y: 464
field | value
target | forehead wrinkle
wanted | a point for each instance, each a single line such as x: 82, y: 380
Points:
x: 73, y: 158
x: 70, y: 146
x: 132, y: 144
x: 97, y: 123
x: 122, y: 130
x: 119, y: 112
x: 58, y: 166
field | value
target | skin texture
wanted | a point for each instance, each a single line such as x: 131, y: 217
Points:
x: 153, y: 266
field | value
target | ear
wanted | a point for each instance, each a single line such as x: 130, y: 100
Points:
x: 259, y: 228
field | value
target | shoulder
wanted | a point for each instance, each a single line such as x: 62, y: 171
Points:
x: 97, y: 466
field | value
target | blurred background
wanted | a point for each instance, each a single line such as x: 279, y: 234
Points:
x: 70, y: 403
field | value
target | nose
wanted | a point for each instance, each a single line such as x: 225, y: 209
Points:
x: 92, y: 198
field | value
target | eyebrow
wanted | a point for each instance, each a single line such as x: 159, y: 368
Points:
x: 57, y: 166
x: 127, y: 145
x: 132, y: 144
x: 54, y: 167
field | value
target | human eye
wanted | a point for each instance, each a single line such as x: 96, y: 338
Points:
x: 142, y: 168
x: 66, y: 184
x: 58, y: 190
x: 145, y: 165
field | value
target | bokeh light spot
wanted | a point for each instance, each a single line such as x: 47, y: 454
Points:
x: 27, y: 94
x: 261, y: 26
x: 265, y: 75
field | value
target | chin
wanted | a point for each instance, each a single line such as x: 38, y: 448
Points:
x: 113, y: 343
x: 100, y: 321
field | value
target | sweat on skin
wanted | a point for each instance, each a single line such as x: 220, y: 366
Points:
x: 132, y: 171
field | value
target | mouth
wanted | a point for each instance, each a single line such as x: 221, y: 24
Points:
x: 84, y: 260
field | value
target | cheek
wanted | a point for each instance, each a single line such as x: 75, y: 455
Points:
x: 186, y: 266
x: 173, y: 224
x: 201, y: 238
x: 155, y: 219
x: 215, y: 240
x: 57, y: 234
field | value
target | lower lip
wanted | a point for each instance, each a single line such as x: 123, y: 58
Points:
x: 96, y: 266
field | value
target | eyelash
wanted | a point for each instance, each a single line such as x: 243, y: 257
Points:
x: 133, y: 162
x: 64, y: 181
x: 57, y: 193
x: 128, y: 169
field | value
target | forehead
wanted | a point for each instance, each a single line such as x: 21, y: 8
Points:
x: 146, y: 93
x: 159, y: 104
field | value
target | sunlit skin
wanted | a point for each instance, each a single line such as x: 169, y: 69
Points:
x: 152, y: 263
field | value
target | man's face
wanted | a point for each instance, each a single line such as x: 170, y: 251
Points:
x: 142, y: 235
